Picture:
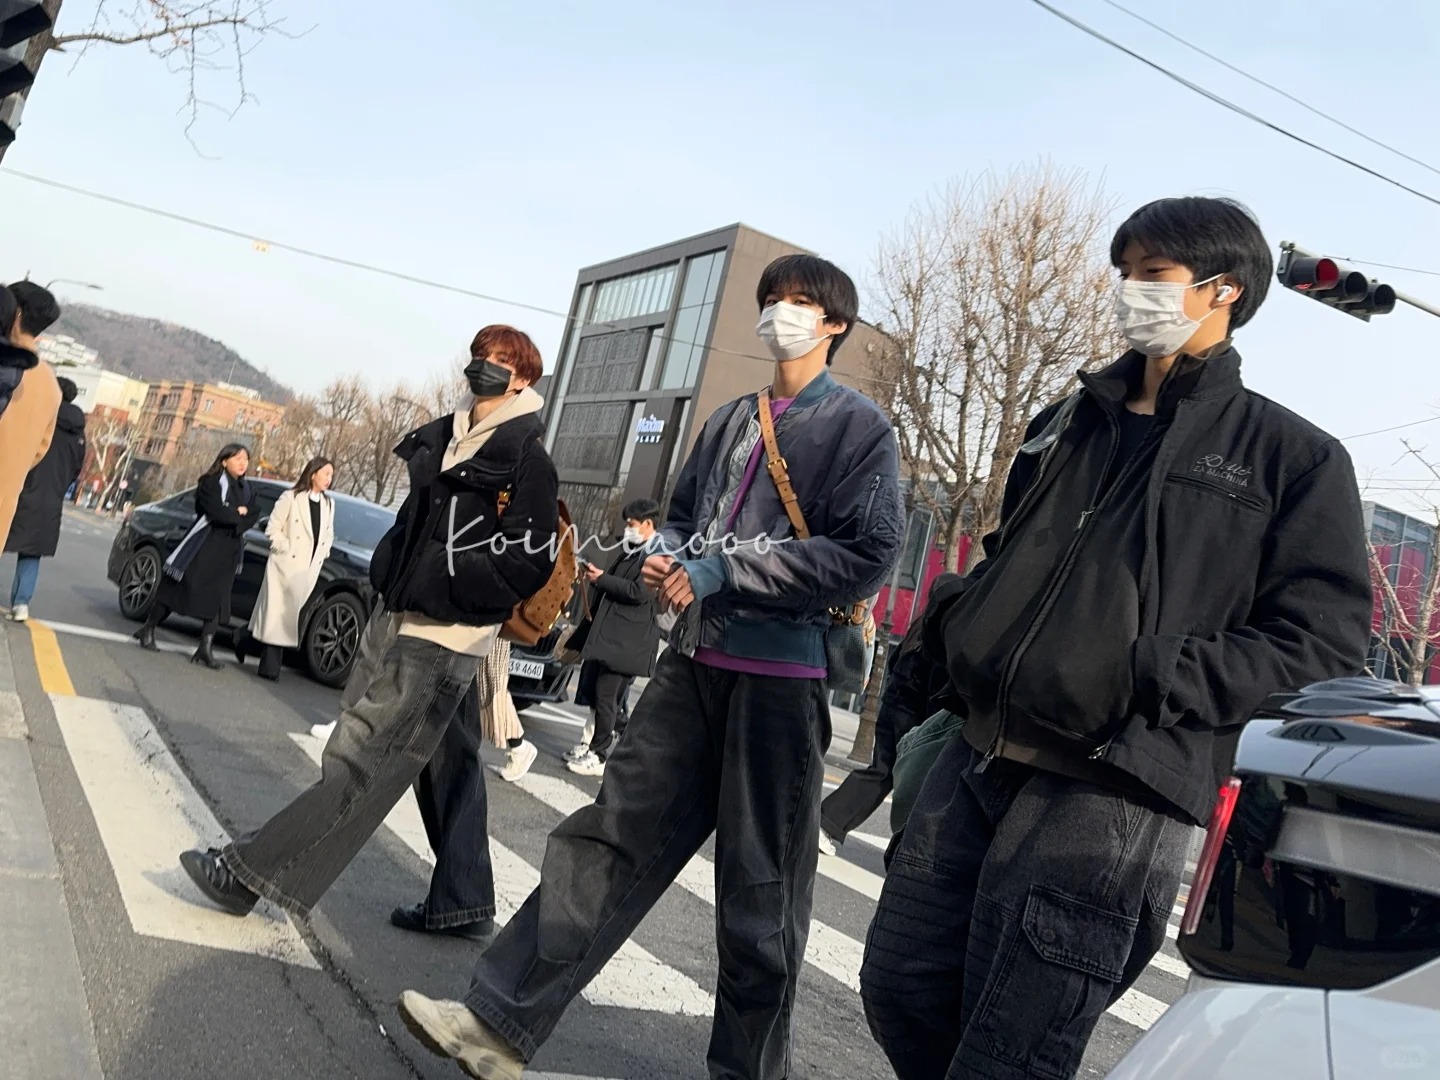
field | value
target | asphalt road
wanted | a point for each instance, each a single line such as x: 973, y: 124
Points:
x: 140, y: 748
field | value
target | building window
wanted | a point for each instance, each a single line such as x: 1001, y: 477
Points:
x: 588, y: 435
x: 634, y: 295
x: 605, y: 363
x: 595, y: 509
x: 691, y: 327
x: 209, y: 404
x: 677, y: 456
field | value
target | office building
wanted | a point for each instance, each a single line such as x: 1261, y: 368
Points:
x: 188, y: 414
x: 99, y: 388
x: 656, y: 342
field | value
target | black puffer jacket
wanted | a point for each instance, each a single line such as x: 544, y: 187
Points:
x: 1131, y: 629
x: 36, y: 528
x: 443, y: 558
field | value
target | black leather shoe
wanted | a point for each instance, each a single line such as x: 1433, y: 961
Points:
x: 215, y: 880
x: 237, y: 645
x: 413, y: 918
x: 146, y: 637
x: 205, y: 654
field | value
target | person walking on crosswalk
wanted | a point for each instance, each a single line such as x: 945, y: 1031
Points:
x: 450, y: 572
x: 35, y: 532
x: 729, y: 736
x: 301, y: 532
x: 621, y: 639
x: 199, y: 575
x: 29, y: 393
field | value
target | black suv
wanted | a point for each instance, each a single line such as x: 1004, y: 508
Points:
x: 336, y: 613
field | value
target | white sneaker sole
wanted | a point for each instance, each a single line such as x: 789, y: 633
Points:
x: 418, y: 1016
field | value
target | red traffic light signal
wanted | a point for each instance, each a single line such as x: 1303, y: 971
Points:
x: 1333, y: 284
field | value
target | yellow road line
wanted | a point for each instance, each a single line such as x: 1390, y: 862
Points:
x: 54, y: 678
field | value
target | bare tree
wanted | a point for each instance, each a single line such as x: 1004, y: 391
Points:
x: 388, y: 419
x: 993, y: 294
x: 1408, y: 596
x: 196, y: 39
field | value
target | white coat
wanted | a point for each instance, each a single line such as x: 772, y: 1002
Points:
x: 293, y: 567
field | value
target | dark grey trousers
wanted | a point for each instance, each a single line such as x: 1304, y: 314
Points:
x: 706, y: 751
x: 1018, y: 905
x: 386, y: 736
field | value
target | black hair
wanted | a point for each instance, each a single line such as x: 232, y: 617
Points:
x: 227, y: 451
x: 39, y: 310
x: 641, y: 510
x: 821, y: 281
x: 8, y: 307
x: 68, y: 390
x: 307, y: 474
x: 1209, y: 237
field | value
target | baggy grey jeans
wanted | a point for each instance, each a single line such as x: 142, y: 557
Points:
x: 396, y: 710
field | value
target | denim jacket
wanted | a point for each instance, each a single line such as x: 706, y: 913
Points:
x: 771, y: 599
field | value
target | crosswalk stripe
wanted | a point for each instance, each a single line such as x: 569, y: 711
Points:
x: 633, y: 979
x: 147, y: 812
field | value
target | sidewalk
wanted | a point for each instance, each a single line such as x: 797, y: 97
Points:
x: 44, y: 1015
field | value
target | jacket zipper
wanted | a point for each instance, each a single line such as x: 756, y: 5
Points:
x: 1244, y: 500
x: 1098, y: 501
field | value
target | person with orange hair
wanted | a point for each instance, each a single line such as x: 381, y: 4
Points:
x: 449, y: 573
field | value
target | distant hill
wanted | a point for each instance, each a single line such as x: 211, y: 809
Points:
x: 151, y: 349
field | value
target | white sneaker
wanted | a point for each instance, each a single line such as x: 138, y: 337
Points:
x: 589, y: 765
x: 449, y: 1030
x: 576, y: 752
x: 518, y: 761
x: 323, y: 731
x: 21, y: 613
x: 827, y: 846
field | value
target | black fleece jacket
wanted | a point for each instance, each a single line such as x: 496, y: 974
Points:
x: 1126, y: 621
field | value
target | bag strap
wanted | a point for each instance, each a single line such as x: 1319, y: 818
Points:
x: 776, y: 466
x: 778, y: 469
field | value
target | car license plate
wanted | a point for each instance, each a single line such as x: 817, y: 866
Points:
x: 527, y: 669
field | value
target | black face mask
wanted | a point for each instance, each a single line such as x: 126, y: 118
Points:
x: 487, y: 379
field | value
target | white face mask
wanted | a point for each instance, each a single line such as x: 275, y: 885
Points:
x: 790, y: 330
x: 1150, y: 315
x: 633, y: 537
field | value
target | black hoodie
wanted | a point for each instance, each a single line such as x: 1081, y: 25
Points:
x: 1129, y: 616
x: 36, y: 528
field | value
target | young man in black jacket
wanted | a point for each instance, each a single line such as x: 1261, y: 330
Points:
x: 621, y: 639
x: 450, y: 572
x: 729, y: 738
x: 1173, y: 548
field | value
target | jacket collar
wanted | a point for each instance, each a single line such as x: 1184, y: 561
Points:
x: 817, y: 388
x: 1214, y: 375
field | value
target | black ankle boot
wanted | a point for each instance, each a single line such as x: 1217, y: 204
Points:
x: 238, y: 646
x: 146, y: 637
x: 205, y: 653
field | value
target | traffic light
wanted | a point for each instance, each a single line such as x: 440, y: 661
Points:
x: 1333, y: 283
x: 20, y: 22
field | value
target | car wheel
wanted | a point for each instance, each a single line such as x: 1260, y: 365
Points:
x: 332, y: 638
x: 139, y: 582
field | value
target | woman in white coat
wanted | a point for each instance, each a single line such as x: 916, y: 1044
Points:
x: 301, y: 532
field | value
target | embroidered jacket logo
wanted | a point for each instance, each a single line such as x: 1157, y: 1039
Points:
x: 1217, y: 468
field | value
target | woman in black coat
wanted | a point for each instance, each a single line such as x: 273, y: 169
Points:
x: 200, y: 573
x: 35, y: 532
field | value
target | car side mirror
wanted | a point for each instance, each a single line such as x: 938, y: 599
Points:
x: 262, y: 524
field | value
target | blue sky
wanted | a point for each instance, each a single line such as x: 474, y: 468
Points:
x: 503, y: 146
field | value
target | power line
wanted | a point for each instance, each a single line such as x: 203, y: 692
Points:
x: 1387, y: 266
x: 1271, y: 86
x: 354, y: 264
x: 1397, y: 427
x: 1237, y: 109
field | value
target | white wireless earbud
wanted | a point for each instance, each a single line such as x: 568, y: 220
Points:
x: 1224, y: 293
